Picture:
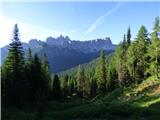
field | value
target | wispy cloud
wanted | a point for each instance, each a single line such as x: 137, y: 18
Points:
x: 99, y: 20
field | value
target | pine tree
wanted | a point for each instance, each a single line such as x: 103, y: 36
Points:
x: 120, y: 56
x: 64, y: 85
x: 132, y: 60
x: 56, y: 90
x: 3, y: 86
x: 70, y: 86
x: 128, y: 37
x: 37, y: 83
x: 136, y: 56
x: 111, y: 73
x: 13, y: 67
x: 81, y: 82
x: 46, y: 76
x: 86, y: 88
x: 38, y: 77
x: 30, y: 58
x: 101, y: 80
x: 124, y: 43
x: 93, y: 89
x: 154, y: 49
x: 28, y: 74
x: 142, y: 42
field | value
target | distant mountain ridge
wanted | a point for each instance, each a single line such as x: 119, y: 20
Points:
x: 64, y: 53
x: 85, y: 46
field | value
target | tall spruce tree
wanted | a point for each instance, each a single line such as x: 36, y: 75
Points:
x: 128, y: 37
x: 101, y: 74
x: 71, y: 86
x: 120, y: 56
x: 13, y: 67
x: 80, y: 81
x: 38, y: 78
x: 64, y: 85
x: 87, y: 88
x: 46, y: 76
x: 28, y: 74
x: 56, y: 89
x: 136, y: 56
x: 111, y: 73
x: 124, y: 42
x: 142, y: 42
x: 154, y: 50
x: 93, y: 90
x: 132, y: 60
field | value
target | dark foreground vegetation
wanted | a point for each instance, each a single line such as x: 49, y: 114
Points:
x: 127, y: 103
x: 125, y: 86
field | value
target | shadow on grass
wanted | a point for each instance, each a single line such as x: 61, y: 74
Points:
x: 78, y: 109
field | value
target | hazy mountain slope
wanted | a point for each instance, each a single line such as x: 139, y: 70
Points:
x: 63, y: 53
x: 61, y: 59
x: 88, y: 66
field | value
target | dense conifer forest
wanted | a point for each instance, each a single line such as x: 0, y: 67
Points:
x: 122, y: 85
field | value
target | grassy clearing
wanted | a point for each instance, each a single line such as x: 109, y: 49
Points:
x: 127, y: 103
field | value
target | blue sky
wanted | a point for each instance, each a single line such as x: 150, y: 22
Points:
x: 78, y: 20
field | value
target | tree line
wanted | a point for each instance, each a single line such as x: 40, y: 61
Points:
x: 26, y: 79
x: 29, y: 80
x: 132, y: 62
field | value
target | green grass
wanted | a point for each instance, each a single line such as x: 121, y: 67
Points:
x: 141, y: 102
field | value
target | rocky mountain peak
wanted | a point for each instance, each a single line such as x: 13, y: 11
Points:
x: 60, y: 41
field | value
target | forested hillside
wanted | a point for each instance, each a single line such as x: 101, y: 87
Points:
x: 132, y: 62
x: 123, y: 85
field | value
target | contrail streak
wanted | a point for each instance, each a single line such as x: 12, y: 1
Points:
x: 99, y: 20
